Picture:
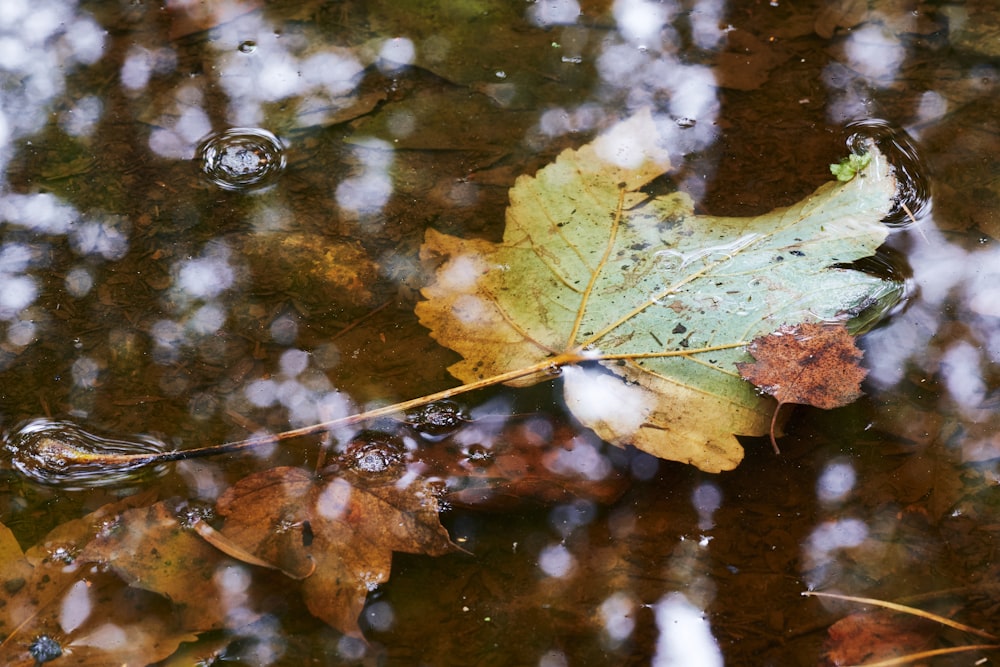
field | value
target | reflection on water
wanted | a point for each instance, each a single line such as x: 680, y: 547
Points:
x: 210, y: 222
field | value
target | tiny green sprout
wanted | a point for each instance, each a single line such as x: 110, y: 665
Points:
x: 850, y: 166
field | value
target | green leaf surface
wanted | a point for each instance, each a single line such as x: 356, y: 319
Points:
x: 591, y: 267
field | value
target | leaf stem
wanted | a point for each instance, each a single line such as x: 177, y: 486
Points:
x: 549, y: 366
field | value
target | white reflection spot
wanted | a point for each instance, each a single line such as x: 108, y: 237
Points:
x: 334, y: 500
x: 380, y: 615
x: 685, y: 636
x: 395, y: 54
x: 86, y: 372
x: 835, y: 482
x: 284, y: 330
x: 206, y: 277
x: 21, y: 333
x: 18, y: 293
x: 706, y: 498
x: 641, y: 21
x: 75, y: 608
x: 261, y: 393
x: 874, y: 54
x: 293, y: 362
x: 597, y: 398
x: 545, y: 13
x: 833, y: 535
x: 232, y: 580
x: 556, y: 561
x: 617, y: 616
x: 367, y: 193
x: 553, y: 658
x: 109, y: 637
x: 79, y: 282
x: 80, y: 120
x: 961, y: 367
x: 582, y: 459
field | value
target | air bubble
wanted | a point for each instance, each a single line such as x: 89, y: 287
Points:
x: 242, y: 158
x: 438, y: 420
x: 374, y: 454
x: 248, y: 46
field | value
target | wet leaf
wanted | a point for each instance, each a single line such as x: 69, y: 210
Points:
x: 590, y: 268
x: 336, y: 532
x: 55, y: 604
x: 809, y: 364
x: 149, y: 548
x: 533, y: 460
x: 877, y: 635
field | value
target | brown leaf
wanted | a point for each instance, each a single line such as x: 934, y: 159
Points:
x: 336, y: 532
x: 53, y: 603
x: 872, y: 636
x: 809, y: 364
x: 534, y: 460
x: 149, y: 548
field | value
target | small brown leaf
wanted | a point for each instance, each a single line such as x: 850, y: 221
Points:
x: 335, y: 532
x: 810, y: 364
x: 150, y: 548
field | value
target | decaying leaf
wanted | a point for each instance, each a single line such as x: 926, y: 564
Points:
x: 590, y: 268
x: 870, y: 636
x: 55, y: 604
x: 149, y: 548
x: 809, y: 364
x: 336, y: 533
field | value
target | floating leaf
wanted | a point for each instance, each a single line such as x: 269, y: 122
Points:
x: 809, y: 364
x: 590, y: 268
x: 336, y: 533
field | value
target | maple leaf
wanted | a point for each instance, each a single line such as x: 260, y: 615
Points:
x: 809, y: 364
x: 335, y: 532
x: 590, y: 268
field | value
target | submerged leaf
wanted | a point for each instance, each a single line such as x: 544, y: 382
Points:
x: 592, y: 268
x: 54, y: 606
x: 336, y: 533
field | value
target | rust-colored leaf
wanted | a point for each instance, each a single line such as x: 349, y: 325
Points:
x: 336, y: 532
x: 808, y: 364
x: 878, y: 635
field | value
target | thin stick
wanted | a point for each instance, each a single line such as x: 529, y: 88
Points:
x: 913, y: 611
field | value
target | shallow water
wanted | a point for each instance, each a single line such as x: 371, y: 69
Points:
x: 211, y: 218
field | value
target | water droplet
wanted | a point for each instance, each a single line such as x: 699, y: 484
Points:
x: 62, y: 453
x: 248, y: 46
x: 242, y: 158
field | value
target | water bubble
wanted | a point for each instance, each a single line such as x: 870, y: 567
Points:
x: 248, y: 46
x: 374, y: 453
x: 913, y: 195
x: 44, y: 649
x: 438, y: 420
x: 242, y: 158
x: 62, y: 453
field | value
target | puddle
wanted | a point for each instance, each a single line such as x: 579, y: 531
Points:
x: 211, y: 221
